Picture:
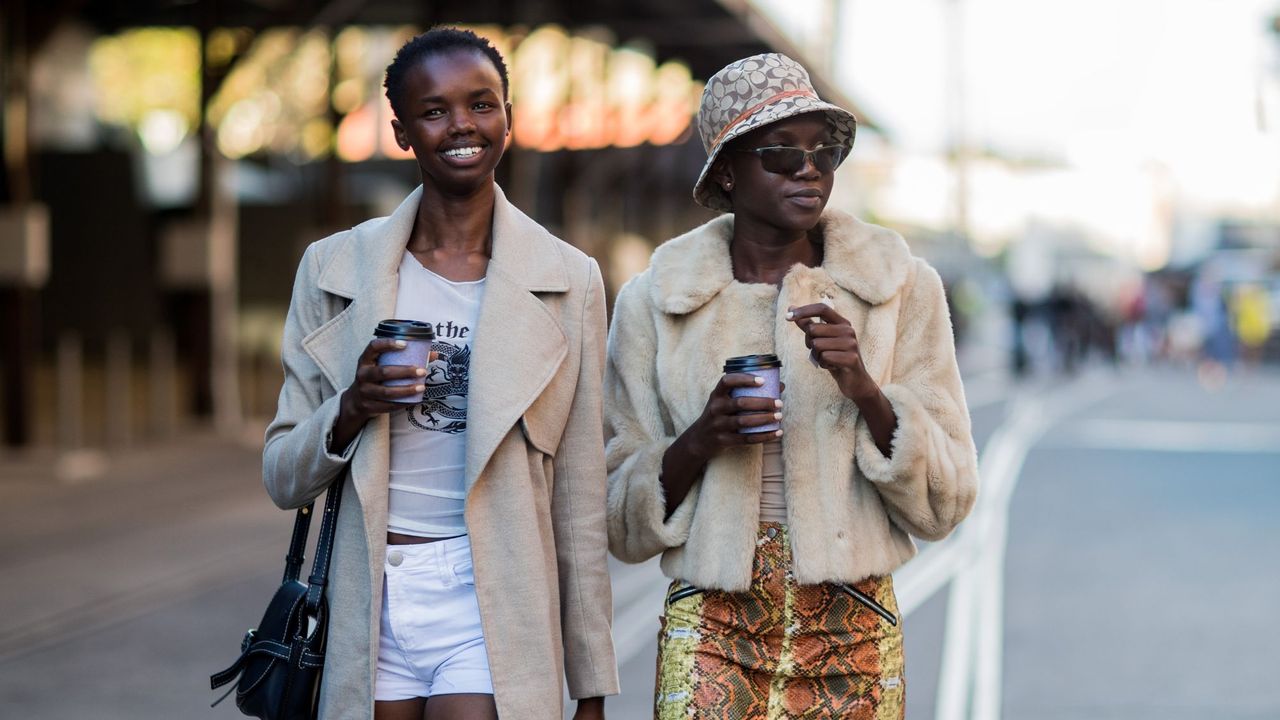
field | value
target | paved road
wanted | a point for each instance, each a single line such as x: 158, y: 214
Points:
x: 1140, y: 576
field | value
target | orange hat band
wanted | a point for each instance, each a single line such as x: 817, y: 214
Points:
x: 755, y: 108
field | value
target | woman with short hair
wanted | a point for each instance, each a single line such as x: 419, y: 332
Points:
x: 780, y: 543
x: 469, y: 576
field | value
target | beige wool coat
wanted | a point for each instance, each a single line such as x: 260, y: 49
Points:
x: 851, y: 512
x: 535, y: 476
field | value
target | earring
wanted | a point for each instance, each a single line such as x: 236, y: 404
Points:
x: 728, y: 185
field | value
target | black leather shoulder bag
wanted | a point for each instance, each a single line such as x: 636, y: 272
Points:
x: 281, y: 661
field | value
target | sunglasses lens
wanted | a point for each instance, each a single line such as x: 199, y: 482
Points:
x: 827, y: 159
x: 784, y: 160
x: 789, y: 160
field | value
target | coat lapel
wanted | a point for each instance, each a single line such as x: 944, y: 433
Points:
x: 519, y: 345
x: 366, y: 270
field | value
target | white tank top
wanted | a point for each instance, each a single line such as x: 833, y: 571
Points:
x: 427, y: 495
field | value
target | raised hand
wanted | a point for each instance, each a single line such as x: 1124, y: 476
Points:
x: 834, y: 346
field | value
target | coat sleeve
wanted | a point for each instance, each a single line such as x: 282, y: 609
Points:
x: 578, y: 513
x: 296, y: 462
x: 637, y: 436
x: 930, y: 479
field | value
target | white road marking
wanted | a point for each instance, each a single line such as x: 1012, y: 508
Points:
x: 972, y: 559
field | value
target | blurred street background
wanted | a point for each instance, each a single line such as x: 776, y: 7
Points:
x: 1097, y: 182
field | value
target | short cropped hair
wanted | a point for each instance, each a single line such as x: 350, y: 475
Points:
x: 437, y: 41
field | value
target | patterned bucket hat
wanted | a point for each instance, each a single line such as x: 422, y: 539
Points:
x: 749, y: 94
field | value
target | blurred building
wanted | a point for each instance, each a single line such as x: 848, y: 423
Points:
x: 167, y: 163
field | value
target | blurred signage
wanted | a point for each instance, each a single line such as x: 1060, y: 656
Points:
x: 285, y: 88
x: 579, y: 92
x: 569, y: 92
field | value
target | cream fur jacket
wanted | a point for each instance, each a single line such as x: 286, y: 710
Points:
x: 850, y: 510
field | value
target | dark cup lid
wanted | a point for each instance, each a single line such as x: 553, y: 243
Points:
x: 405, y: 330
x: 745, y: 363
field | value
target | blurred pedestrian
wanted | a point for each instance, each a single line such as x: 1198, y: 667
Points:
x: 1251, y: 316
x: 1210, y: 307
x: 470, y: 561
x: 780, y: 544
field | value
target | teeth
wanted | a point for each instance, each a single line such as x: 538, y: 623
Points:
x: 465, y: 152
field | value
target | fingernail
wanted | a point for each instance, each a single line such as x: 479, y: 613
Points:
x: 421, y: 372
x: 400, y: 343
x: 759, y: 381
x: 777, y: 403
x: 419, y: 388
x: 777, y: 416
x: 789, y: 314
x: 778, y: 434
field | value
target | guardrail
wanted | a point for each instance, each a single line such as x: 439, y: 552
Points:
x: 971, y: 561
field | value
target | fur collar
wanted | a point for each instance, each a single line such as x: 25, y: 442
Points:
x: 869, y: 261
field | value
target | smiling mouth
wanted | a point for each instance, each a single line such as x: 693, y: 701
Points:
x: 463, y: 152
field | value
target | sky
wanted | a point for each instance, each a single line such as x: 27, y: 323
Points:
x: 1089, y: 83
x: 1131, y: 126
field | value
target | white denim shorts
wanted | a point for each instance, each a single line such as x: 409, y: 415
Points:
x: 431, y: 642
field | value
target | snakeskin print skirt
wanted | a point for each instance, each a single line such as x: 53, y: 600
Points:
x: 780, y: 650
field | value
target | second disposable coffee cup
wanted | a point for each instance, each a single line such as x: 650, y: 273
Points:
x: 417, y: 337
x: 767, y: 367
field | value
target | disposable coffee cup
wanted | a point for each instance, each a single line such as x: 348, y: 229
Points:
x: 417, y: 337
x: 762, y: 366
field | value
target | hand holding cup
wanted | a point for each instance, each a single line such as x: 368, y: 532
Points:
x: 744, y: 408
x: 392, y: 368
x: 379, y: 388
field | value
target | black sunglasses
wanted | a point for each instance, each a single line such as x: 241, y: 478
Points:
x: 789, y: 160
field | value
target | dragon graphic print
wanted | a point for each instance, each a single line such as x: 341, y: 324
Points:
x: 444, y: 404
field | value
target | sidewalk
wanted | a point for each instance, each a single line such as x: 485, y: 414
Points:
x: 123, y: 592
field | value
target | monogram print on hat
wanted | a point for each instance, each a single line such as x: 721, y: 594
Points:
x: 751, y: 93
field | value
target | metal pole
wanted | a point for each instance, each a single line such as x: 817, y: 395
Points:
x: 224, y: 306
x: 219, y: 204
x: 958, y: 130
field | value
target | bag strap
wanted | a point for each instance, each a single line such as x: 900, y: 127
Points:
x: 324, y: 547
x: 315, y: 592
x: 298, y: 545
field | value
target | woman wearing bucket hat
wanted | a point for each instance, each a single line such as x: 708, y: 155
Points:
x: 780, y: 543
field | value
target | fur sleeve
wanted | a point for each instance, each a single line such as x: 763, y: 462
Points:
x: 636, y: 438
x: 930, y: 479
